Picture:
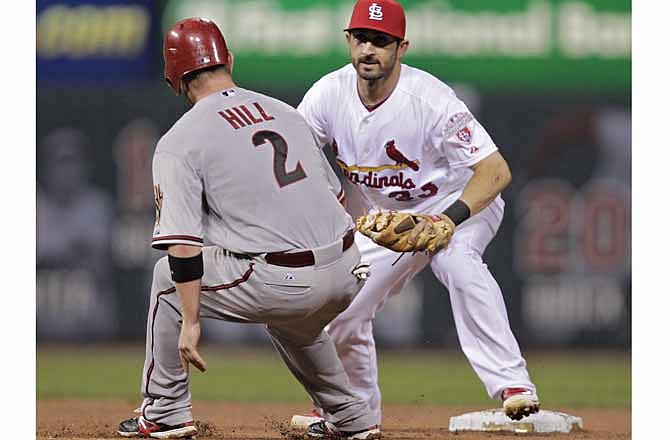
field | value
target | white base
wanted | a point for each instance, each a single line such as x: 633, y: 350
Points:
x: 495, y: 420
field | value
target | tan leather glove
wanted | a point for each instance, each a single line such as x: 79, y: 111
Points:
x: 407, y: 232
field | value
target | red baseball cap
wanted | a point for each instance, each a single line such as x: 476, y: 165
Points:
x: 385, y: 16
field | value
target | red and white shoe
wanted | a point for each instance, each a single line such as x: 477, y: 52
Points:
x: 141, y: 427
x: 519, y: 402
x: 302, y: 421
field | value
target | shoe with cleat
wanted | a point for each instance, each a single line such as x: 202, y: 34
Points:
x: 302, y: 421
x: 141, y: 427
x: 519, y: 403
x: 327, y: 430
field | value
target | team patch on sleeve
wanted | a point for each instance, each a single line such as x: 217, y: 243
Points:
x: 464, y: 135
x: 456, y: 124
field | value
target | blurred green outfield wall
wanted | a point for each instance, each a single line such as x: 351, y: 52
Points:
x: 491, y: 44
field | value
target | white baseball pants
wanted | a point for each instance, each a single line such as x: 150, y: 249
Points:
x: 476, y: 300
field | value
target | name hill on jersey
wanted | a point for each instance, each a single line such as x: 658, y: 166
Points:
x: 241, y: 116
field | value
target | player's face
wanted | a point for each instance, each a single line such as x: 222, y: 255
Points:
x: 374, y: 54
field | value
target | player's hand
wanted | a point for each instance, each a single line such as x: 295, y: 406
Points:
x: 188, y: 346
x: 423, y: 226
x: 420, y: 234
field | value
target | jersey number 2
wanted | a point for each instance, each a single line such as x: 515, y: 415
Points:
x: 278, y: 143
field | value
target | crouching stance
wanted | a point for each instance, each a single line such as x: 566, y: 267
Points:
x: 244, y: 172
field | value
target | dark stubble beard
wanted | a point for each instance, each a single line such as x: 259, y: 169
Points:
x: 374, y: 77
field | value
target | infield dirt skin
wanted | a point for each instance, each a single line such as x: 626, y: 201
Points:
x: 98, y: 419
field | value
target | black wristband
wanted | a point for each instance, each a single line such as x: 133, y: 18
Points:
x: 458, y: 212
x: 186, y: 269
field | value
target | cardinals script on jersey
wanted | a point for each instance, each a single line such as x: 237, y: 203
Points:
x: 417, y: 156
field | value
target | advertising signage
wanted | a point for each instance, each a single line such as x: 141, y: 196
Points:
x: 518, y: 44
x: 94, y: 39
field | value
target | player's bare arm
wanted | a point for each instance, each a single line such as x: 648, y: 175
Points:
x: 491, y: 176
x: 189, y: 295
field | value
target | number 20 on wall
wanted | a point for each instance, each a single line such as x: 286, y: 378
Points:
x: 560, y: 228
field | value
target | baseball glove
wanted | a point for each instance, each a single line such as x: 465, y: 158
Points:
x: 407, y: 232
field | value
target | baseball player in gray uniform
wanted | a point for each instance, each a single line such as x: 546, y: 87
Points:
x: 244, y: 171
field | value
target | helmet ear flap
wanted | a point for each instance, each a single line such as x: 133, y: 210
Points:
x: 169, y: 83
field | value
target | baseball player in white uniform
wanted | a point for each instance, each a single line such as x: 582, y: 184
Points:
x: 244, y: 172
x: 405, y: 142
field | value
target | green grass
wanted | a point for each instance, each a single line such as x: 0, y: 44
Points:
x: 563, y: 379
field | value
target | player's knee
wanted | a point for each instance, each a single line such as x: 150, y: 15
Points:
x: 458, y: 267
x: 348, y: 329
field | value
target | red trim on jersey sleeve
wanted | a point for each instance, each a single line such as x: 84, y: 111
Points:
x: 163, y: 241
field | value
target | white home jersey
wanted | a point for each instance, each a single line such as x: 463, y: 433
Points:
x: 410, y: 153
x: 244, y: 171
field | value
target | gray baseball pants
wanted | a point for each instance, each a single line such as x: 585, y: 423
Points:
x: 294, y: 303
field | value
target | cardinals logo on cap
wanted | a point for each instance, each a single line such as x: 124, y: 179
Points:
x: 385, y: 16
x: 376, y: 12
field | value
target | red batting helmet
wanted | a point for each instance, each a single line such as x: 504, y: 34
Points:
x: 192, y: 44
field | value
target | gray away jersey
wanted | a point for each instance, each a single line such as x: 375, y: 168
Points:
x: 245, y: 172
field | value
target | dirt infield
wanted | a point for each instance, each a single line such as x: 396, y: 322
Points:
x: 98, y: 419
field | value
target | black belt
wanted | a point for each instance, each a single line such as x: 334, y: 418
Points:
x: 303, y: 258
